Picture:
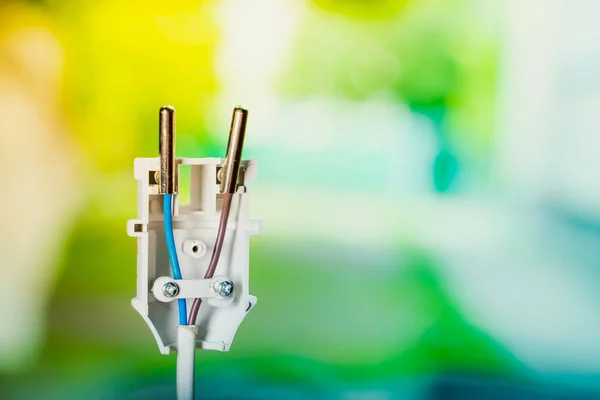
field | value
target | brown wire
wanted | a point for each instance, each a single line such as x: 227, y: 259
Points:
x: 214, y: 260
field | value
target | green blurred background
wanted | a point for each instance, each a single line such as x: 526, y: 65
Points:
x: 426, y: 184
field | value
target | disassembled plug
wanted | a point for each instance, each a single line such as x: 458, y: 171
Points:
x: 173, y: 242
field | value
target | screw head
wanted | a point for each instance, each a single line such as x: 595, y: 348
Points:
x: 170, y: 289
x: 224, y: 288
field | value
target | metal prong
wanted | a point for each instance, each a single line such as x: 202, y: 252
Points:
x: 167, y: 184
x: 231, y: 166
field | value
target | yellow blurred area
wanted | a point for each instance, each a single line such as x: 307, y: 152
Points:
x: 379, y: 9
x: 122, y: 61
x: 127, y: 59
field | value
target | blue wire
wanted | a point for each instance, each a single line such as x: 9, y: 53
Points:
x: 168, y: 217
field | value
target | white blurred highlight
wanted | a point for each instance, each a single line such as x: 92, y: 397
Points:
x: 508, y: 276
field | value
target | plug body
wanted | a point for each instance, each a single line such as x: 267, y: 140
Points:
x: 194, y: 228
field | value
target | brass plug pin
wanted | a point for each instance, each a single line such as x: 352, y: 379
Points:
x: 231, y: 166
x: 166, y: 181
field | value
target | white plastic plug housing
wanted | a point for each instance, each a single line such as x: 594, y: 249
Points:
x: 194, y: 228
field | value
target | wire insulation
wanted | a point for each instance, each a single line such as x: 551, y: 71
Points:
x: 216, y: 254
x: 168, y: 218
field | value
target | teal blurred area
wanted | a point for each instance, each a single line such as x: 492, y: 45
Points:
x: 431, y: 218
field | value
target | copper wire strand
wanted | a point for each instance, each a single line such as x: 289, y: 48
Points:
x: 216, y: 254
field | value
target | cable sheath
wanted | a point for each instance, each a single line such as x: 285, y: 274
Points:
x: 186, y: 349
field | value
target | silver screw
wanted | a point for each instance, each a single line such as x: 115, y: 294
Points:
x: 170, y: 289
x: 225, y: 288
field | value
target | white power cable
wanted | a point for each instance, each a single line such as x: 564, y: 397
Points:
x: 186, y: 352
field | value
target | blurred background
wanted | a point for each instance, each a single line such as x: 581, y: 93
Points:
x: 426, y: 183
